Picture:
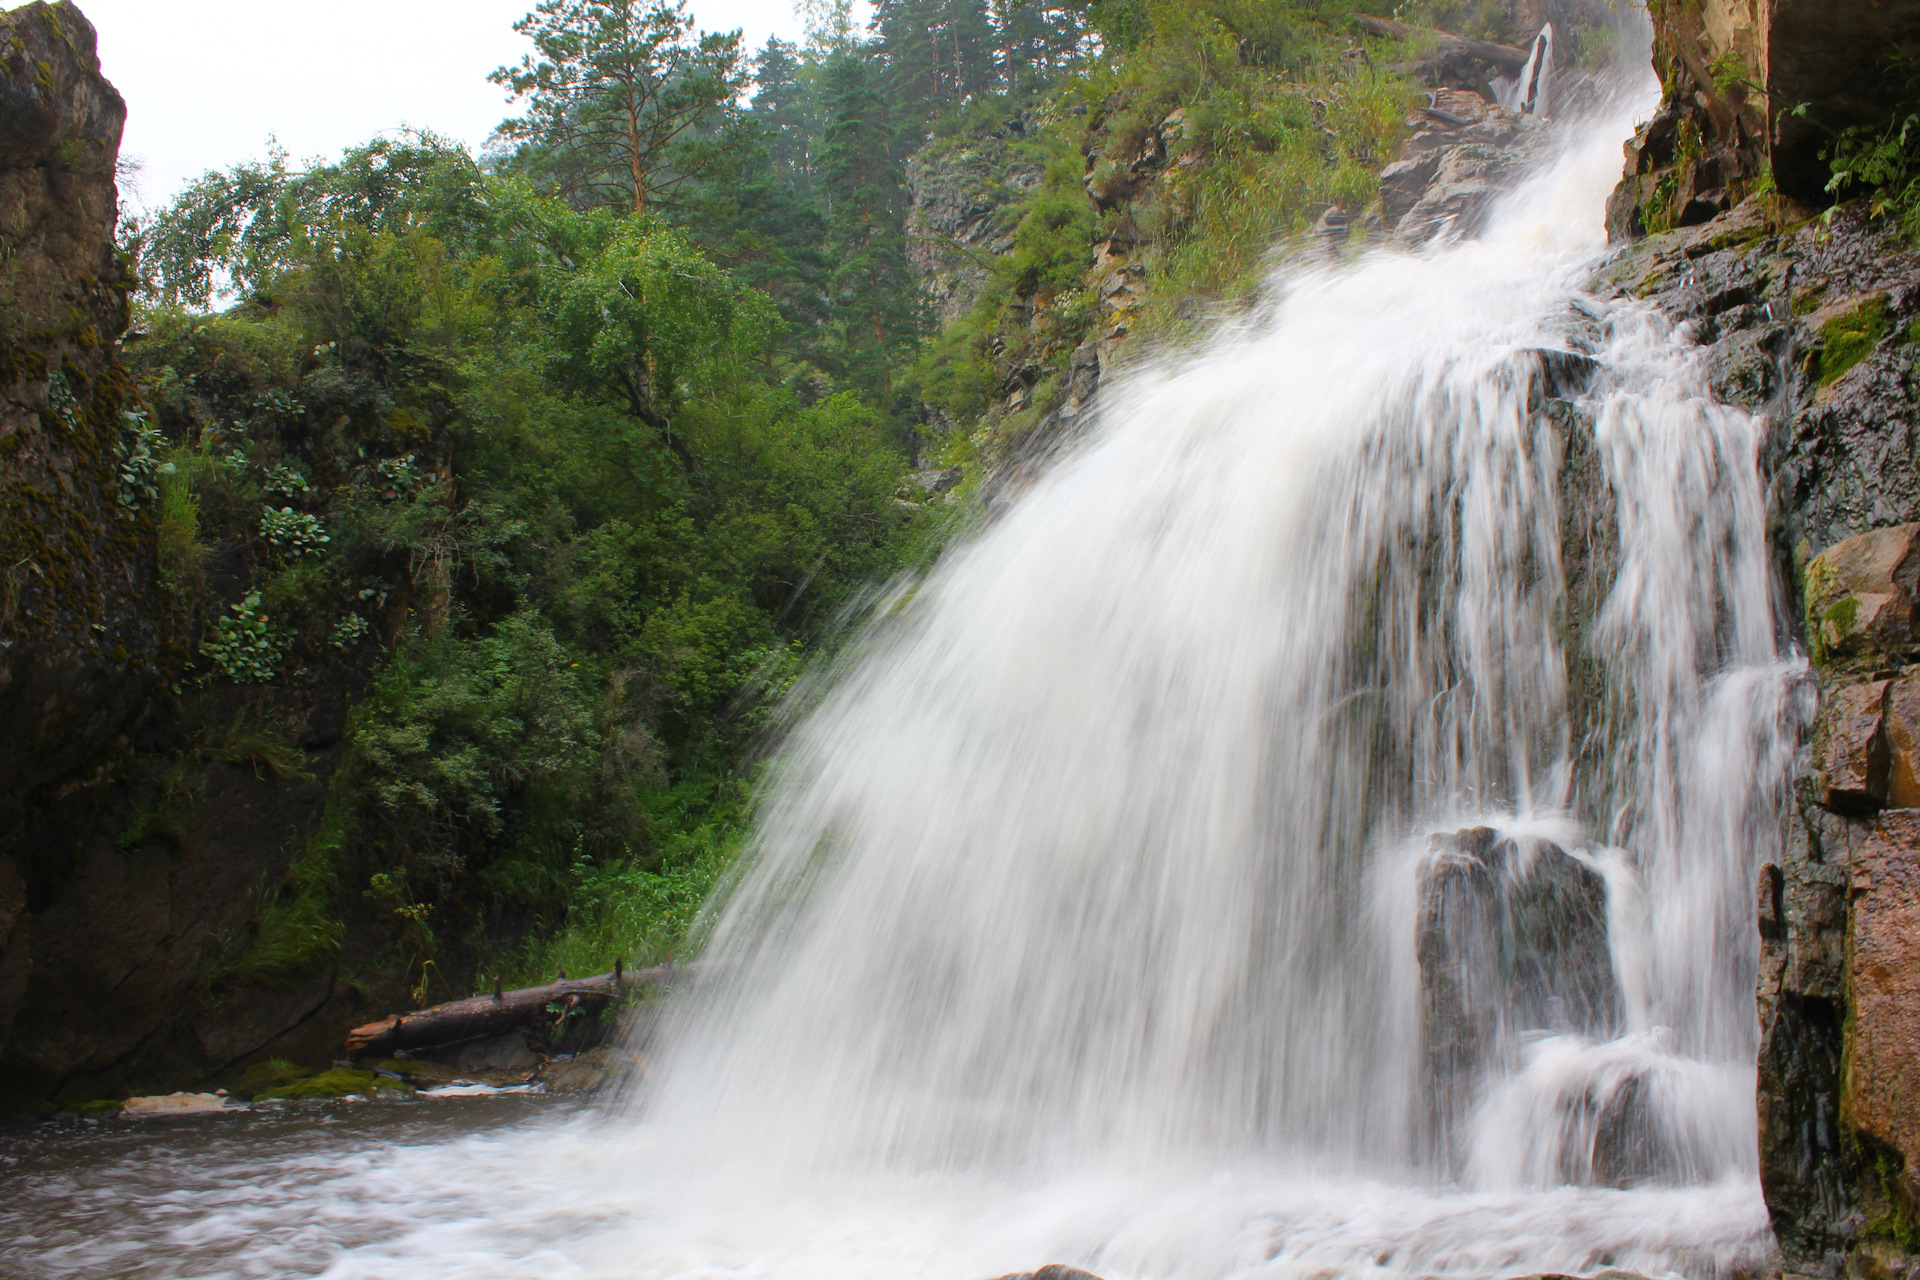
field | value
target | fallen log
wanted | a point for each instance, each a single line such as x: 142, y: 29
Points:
x: 1505, y: 57
x: 501, y: 1012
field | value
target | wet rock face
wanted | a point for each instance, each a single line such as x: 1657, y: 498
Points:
x: 1461, y: 155
x: 1801, y: 905
x: 1510, y: 938
x: 1813, y: 326
x: 1755, y: 88
x: 960, y: 218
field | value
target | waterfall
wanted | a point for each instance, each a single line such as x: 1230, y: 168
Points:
x: 1103, y: 855
x: 1310, y: 832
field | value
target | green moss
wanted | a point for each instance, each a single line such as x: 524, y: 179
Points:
x: 338, y: 1083
x: 1848, y: 339
x: 1886, y: 1214
x: 274, y: 1073
x: 98, y: 1109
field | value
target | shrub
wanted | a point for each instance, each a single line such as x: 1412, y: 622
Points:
x: 246, y: 645
x: 294, y: 532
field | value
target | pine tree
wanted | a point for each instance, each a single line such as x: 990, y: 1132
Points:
x: 876, y: 316
x: 783, y: 107
x: 619, y: 93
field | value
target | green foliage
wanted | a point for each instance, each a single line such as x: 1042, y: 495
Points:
x: 645, y: 913
x: 1265, y: 119
x: 572, y: 462
x: 295, y: 533
x: 453, y: 730
x: 141, y: 468
x: 246, y: 645
x: 296, y: 924
x: 236, y: 232
x: 1881, y: 164
x: 617, y: 93
x: 259, y: 747
x: 61, y: 399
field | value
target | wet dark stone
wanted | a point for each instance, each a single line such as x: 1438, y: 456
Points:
x: 1510, y: 938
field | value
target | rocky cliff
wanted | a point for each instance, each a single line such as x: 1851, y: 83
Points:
x: 1754, y: 91
x: 1814, y: 322
x: 146, y: 823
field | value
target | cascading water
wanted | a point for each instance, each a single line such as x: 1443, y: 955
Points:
x: 1089, y: 907
x: 1104, y: 853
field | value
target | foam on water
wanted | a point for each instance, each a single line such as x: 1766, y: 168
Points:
x: 1079, y: 923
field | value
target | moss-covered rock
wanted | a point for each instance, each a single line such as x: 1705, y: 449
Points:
x: 1849, y: 337
x: 1860, y: 600
x: 341, y: 1082
x: 274, y: 1073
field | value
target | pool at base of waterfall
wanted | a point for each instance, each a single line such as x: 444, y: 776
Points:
x: 524, y: 1187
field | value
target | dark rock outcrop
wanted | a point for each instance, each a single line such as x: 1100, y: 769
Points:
x: 1812, y: 324
x: 139, y: 832
x: 84, y: 634
x: 1755, y: 89
x: 1511, y: 937
x: 963, y: 193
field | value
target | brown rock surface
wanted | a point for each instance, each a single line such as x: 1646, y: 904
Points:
x: 1863, y: 599
x: 1881, y: 1096
x: 1850, y: 749
x: 1903, y: 744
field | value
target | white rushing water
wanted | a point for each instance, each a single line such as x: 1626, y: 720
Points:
x: 1081, y: 924
x: 1098, y: 866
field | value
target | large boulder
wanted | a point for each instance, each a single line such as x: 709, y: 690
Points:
x: 1863, y: 600
x: 1754, y: 91
x: 1511, y: 937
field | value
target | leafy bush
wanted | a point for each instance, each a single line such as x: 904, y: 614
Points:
x: 246, y: 645
x: 294, y: 532
x: 139, y: 448
x: 286, y: 481
x: 1883, y: 165
x: 61, y: 399
x: 349, y: 631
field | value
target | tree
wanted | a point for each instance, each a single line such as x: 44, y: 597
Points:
x: 641, y: 317
x: 877, y: 303
x: 783, y: 106
x: 618, y: 94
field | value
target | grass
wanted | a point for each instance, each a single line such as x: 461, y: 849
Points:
x: 641, y: 914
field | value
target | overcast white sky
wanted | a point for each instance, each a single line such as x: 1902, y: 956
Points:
x: 206, y: 81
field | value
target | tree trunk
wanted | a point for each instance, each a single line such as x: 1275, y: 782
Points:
x: 501, y: 1012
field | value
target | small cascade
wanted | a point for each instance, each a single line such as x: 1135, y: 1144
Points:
x: 1528, y: 93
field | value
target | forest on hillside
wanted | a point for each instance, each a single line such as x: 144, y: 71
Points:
x: 567, y: 457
